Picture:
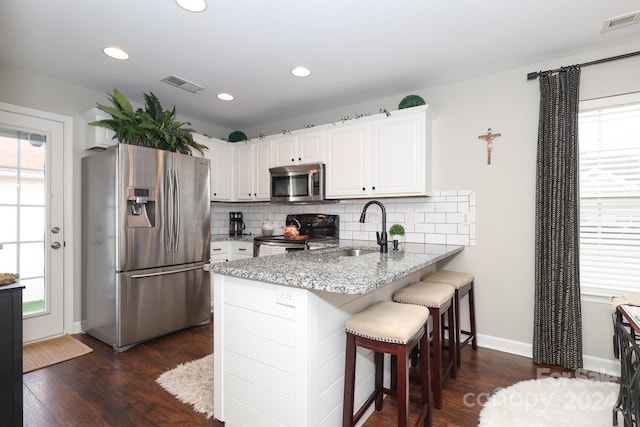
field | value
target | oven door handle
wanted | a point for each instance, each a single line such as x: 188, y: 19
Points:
x: 300, y: 246
x: 284, y: 244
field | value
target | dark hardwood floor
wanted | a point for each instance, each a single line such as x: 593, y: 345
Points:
x: 106, y: 388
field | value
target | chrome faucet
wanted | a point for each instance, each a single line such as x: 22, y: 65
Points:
x: 381, y: 237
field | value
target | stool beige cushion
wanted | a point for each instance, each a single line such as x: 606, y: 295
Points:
x: 388, y: 321
x: 453, y: 278
x: 425, y: 294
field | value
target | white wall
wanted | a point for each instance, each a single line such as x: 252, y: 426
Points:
x: 503, y: 258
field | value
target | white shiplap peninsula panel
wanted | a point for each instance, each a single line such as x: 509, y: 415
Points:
x: 281, y: 365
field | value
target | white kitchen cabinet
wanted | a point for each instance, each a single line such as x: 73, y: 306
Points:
x: 399, y: 158
x: 244, y: 172
x: 240, y: 250
x: 383, y: 157
x: 348, y: 159
x: 253, y: 180
x: 219, y: 251
x: 373, y: 156
x: 306, y: 147
x: 220, y: 155
x: 221, y: 172
x: 230, y: 250
x: 95, y: 136
x: 283, y: 151
x: 312, y: 147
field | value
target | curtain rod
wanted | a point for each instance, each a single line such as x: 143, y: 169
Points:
x: 534, y: 75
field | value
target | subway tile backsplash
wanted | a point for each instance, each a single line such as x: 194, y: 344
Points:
x: 448, y: 217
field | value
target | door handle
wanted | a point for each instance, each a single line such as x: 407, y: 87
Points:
x: 56, y: 245
x: 163, y: 273
x: 55, y: 230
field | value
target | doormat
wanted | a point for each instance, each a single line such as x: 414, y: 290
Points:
x: 45, y: 353
x: 192, y: 383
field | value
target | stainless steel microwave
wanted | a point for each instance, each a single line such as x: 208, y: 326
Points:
x: 297, y: 183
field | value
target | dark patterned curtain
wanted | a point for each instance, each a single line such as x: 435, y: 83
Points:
x: 557, y: 335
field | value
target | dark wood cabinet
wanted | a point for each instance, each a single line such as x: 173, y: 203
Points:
x: 11, y: 355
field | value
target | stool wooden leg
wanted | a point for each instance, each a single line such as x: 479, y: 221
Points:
x: 393, y: 383
x: 453, y: 343
x: 379, y: 362
x: 349, y: 381
x: 425, y: 379
x: 456, y: 309
x: 402, y: 392
x: 472, y: 313
x: 436, y: 376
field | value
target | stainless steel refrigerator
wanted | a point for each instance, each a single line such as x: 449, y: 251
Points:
x: 145, y: 239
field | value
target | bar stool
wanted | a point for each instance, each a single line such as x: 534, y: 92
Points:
x: 463, y: 284
x: 387, y: 327
x: 438, y: 298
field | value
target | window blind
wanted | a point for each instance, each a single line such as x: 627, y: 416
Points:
x: 609, y: 145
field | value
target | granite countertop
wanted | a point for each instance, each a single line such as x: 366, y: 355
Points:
x: 324, y: 270
x: 241, y: 238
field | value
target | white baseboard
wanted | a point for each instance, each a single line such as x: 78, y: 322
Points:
x: 76, y: 328
x: 591, y: 363
x: 505, y: 345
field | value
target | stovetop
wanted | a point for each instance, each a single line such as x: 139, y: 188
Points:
x: 316, y: 226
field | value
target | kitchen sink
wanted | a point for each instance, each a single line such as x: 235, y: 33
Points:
x: 354, y: 252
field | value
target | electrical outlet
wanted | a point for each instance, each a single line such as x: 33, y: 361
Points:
x: 466, y: 218
x: 285, y: 296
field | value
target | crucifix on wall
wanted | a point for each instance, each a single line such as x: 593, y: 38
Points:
x: 489, y: 137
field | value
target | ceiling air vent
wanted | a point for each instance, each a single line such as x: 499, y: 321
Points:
x: 182, y: 84
x: 621, y: 21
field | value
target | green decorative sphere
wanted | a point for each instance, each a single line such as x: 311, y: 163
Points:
x: 397, y: 229
x: 236, y: 136
x: 411, y: 101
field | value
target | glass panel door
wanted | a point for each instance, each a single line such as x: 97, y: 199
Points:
x: 32, y: 214
x: 22, y: 213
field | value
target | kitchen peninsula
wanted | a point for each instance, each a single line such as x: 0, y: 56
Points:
x: 279, y: 329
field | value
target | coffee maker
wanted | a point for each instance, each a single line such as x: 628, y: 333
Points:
x: 236, y: 224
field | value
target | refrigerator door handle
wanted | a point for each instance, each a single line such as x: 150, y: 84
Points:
x: 176, y: 207
x: 168, y: 209
x: 162, y: 273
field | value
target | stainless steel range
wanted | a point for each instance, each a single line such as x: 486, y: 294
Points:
x: 311, y: 228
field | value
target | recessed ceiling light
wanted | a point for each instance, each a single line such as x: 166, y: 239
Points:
x: 301, y: 72
x: 192, y: 5
x: 115, y: 52
x: 225, y: 96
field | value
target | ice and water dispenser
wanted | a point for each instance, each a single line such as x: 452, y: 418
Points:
x: 141, y: 207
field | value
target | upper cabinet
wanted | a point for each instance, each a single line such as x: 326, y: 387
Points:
x: 373, y: 156
x: 381, y: 157
x: 252, y: 171
x: 220, y: 155
x: 399, y: 161
x: 97, y: 137
x: 298, y: 148
x: 348, y: 161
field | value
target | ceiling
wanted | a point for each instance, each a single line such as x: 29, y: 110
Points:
x: 358, y: 50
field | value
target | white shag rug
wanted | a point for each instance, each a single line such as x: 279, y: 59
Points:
x: 192, y: 383
x: 551, y: 402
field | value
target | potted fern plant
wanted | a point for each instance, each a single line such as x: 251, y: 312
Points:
x: 149, y: 127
